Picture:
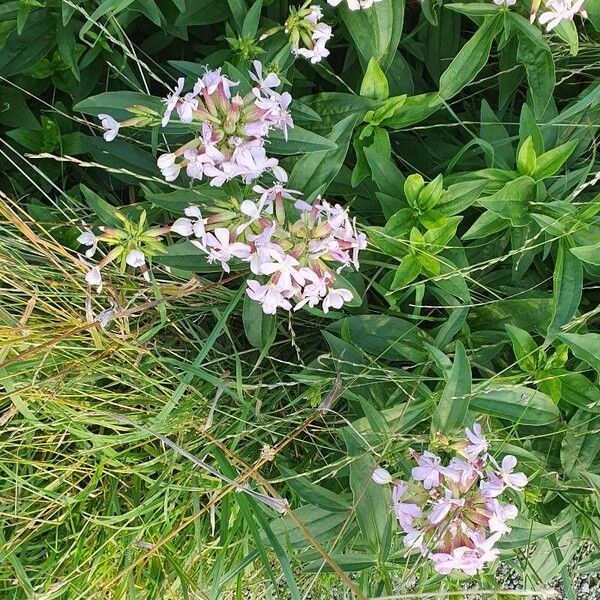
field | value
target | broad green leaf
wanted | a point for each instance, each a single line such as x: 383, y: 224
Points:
x: 577, y: 390
x: 371, y: 502
x: 454, y: 401
x: 413, y: 109
x: 528, y: 128
x: 526, y: 532
x: 550, y: 162
x: 376, y: 32
x: 260, y: 329
x: 568, y: 286
x: 524, y: 347
x: 314, y: 172
x: 104, y: 211
x: 471, y: 59
x: 374, y: 83
x: 333, y: 107
x: 186, y: 257
x: 585, y: 347
x: 539, y: 67
x: 251, y: 20
x: 299, y: 141
x: 588, y: 254
x: 526, y: 157
x: 383, y: 336
x: 517, y: 404
x: 581, y: 443
x: 322, y: 524
x: 475, y: 9
x: 116, y: 104
x: 406, y: 273
x: 511, y: 202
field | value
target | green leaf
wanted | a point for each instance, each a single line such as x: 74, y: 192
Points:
x: 383, y: 336
x: 300, y: 141
x: 413, y: 109
x: 251, y: 20
x: 322, y: 524
x: 374, y: 83
x: 376, y: 32
x: 588, y: 254
x: 539, y: 68
x: 471, y: 59
x: 528, y: 128
x: 260, y: 329
x: 550, y: 162
x: 526, y: 157
x: 407, y: 272
x: 475, y: 9
x: 524, y: 347
x: 186, y: 257
x: 517, y: 404
x: 511, y: 202
x: 116, y: 104
x: 105, y: 211
x: 371, y: 502
x: 585, y: 347
x: 314, y: 172
x: 581, y: 443
x: 568, y: 287
x: 454, y: 401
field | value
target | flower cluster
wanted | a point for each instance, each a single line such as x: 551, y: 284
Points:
x: 308, y: 34
x: 452, y: 514
x: 130, y: 244
x: 557, y: 11
x: 291, y: 259
x: 554, y: 11
x: 231, y: 129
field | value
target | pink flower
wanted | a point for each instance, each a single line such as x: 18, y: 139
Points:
x: 111, y: 126
x: 430, y: 470
x: 478, y: 445
x: 171, y: 101
x: 219, y: 248
x: 500, y: 514
x: 269, y: 296
x: 336, y: 298
x: 440, y: 511
x: 381, y: 476
x: 516, y: 481
x: 406, y: 512
x: 264, y: 84
x: 287, y: 273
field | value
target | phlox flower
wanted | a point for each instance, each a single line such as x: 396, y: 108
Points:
x: 557, y: 11
x: 354, y: 4
x: 336, y: 299
x: 111, y: 126
x: 171, y: 101
x: 191, y: 224
x: 219, y: 248
x: 88, y: 238
x: 270, y: 297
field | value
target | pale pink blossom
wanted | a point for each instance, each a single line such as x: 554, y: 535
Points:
x: 111, y: 126
x: 171, y: 101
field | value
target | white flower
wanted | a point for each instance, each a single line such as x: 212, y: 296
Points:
x: 168, y: 167
x: 265, y: 85
x: 381, y: 476
x: 186, y: 108
x: 253, y: 162
x: 560, y: 10
x: 87, y: 238
x: 111, y: 126
x: 191, y: 224
x: 336, y: 298
x: 219, y: 248
x: 269, y: 296
x: 135, y: 258
x: 171, y: 101
x: 94, y: 277
x: 285, y: 266
x: 227, y: 170
x: 354, y: 4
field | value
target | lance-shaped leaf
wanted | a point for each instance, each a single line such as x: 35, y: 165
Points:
x: 454, y: 402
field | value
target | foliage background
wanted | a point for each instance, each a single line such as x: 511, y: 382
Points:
x: 93, y: 505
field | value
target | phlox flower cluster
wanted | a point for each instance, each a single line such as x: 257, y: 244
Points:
x: 231, y: 129
x: 556, y: 11
x: 452, y: 514
x: 290, y: 260
x: 308, y: 34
